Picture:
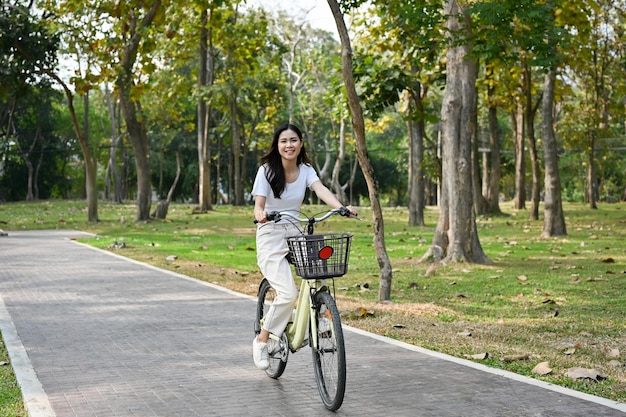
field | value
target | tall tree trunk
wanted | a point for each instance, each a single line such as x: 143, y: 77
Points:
x: 86, y: 139
x: 554, y: 218
x: 36, y: 176
x: 111, y: 172
x: 519, y: 201
x: 338, y: 189
x: 236, y: 152
x: 163, y: 205
x: 529, y: 120
x: 358, y: 124
x: 456, y: 235
x: 131, y: 108
x: 493, y: 188
x: 535, y: 195
x: 30, y: 193
x: 26, y: 156
x: 480, y: 202
x: 204, y: 147
x: 416, y: 158
x: 592, y: 176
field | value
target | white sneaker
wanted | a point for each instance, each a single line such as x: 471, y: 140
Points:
x: 260, y: 355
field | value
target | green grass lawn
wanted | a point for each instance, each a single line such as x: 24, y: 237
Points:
x: 11, y: 404
x: 558, y: 300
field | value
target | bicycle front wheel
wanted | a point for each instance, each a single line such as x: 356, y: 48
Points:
x: 329, y: 358
x: 278, y: 350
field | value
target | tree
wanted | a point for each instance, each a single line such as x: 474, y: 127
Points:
x: 206, y: 76
x: 133, y: 29
x: 36, y: 44
x: 554, y: 218
x: 400, y: 65
x: 595, y: 64
x: 491, y: 167
x: 456, y: 234
x: 358, y: 124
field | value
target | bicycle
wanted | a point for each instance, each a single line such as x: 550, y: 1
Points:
x: 317, y: 259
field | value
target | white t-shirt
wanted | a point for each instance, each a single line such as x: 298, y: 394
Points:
x: 293, y: 195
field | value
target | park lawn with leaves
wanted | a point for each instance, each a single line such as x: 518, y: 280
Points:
x: 11, y: 404
x: 557, y: 300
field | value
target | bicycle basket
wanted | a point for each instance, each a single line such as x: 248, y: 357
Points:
x: 320, y: 256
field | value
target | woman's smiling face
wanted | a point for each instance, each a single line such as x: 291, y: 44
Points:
x: 289, y: 145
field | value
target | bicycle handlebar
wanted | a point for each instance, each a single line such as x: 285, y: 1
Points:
x: 277, y: 215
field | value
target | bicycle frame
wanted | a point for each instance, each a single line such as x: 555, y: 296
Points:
x: 297, y: 330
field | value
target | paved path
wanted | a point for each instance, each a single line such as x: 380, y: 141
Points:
x: 94, y: 334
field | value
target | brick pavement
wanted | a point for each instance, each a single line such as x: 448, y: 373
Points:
x: 94, y: 334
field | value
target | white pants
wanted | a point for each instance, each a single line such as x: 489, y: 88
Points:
x: 271, y: 249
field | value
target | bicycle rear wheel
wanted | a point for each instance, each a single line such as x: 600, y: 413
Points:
x: 329, y: 358
x: 278, y: 350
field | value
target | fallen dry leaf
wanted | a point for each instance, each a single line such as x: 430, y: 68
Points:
x: 513, y: 358
x: 363, y: 312
x: 613, y: 353
x: 542, y: 368
x: 478, y: 356
x: 583, y: 373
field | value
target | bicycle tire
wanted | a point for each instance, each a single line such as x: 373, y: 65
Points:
x: 278, y: 351
x: 329, y: 359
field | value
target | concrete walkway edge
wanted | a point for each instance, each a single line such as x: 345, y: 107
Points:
x: 35, y: 398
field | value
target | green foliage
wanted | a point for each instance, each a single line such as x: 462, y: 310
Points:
x: 399, y: 50
x: 37, y: 139
x: 26, y: 47
x: 512, y: 31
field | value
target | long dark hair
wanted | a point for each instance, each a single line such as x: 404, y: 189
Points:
x: 276, y: 174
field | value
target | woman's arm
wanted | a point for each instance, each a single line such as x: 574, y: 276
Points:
x: 259, y: 209
x: 328, y: 197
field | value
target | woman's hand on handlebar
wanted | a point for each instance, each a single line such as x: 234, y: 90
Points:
x: 260, y: 216
x: 348, y: 211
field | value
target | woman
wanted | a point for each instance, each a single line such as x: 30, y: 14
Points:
x: 280, y: 185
